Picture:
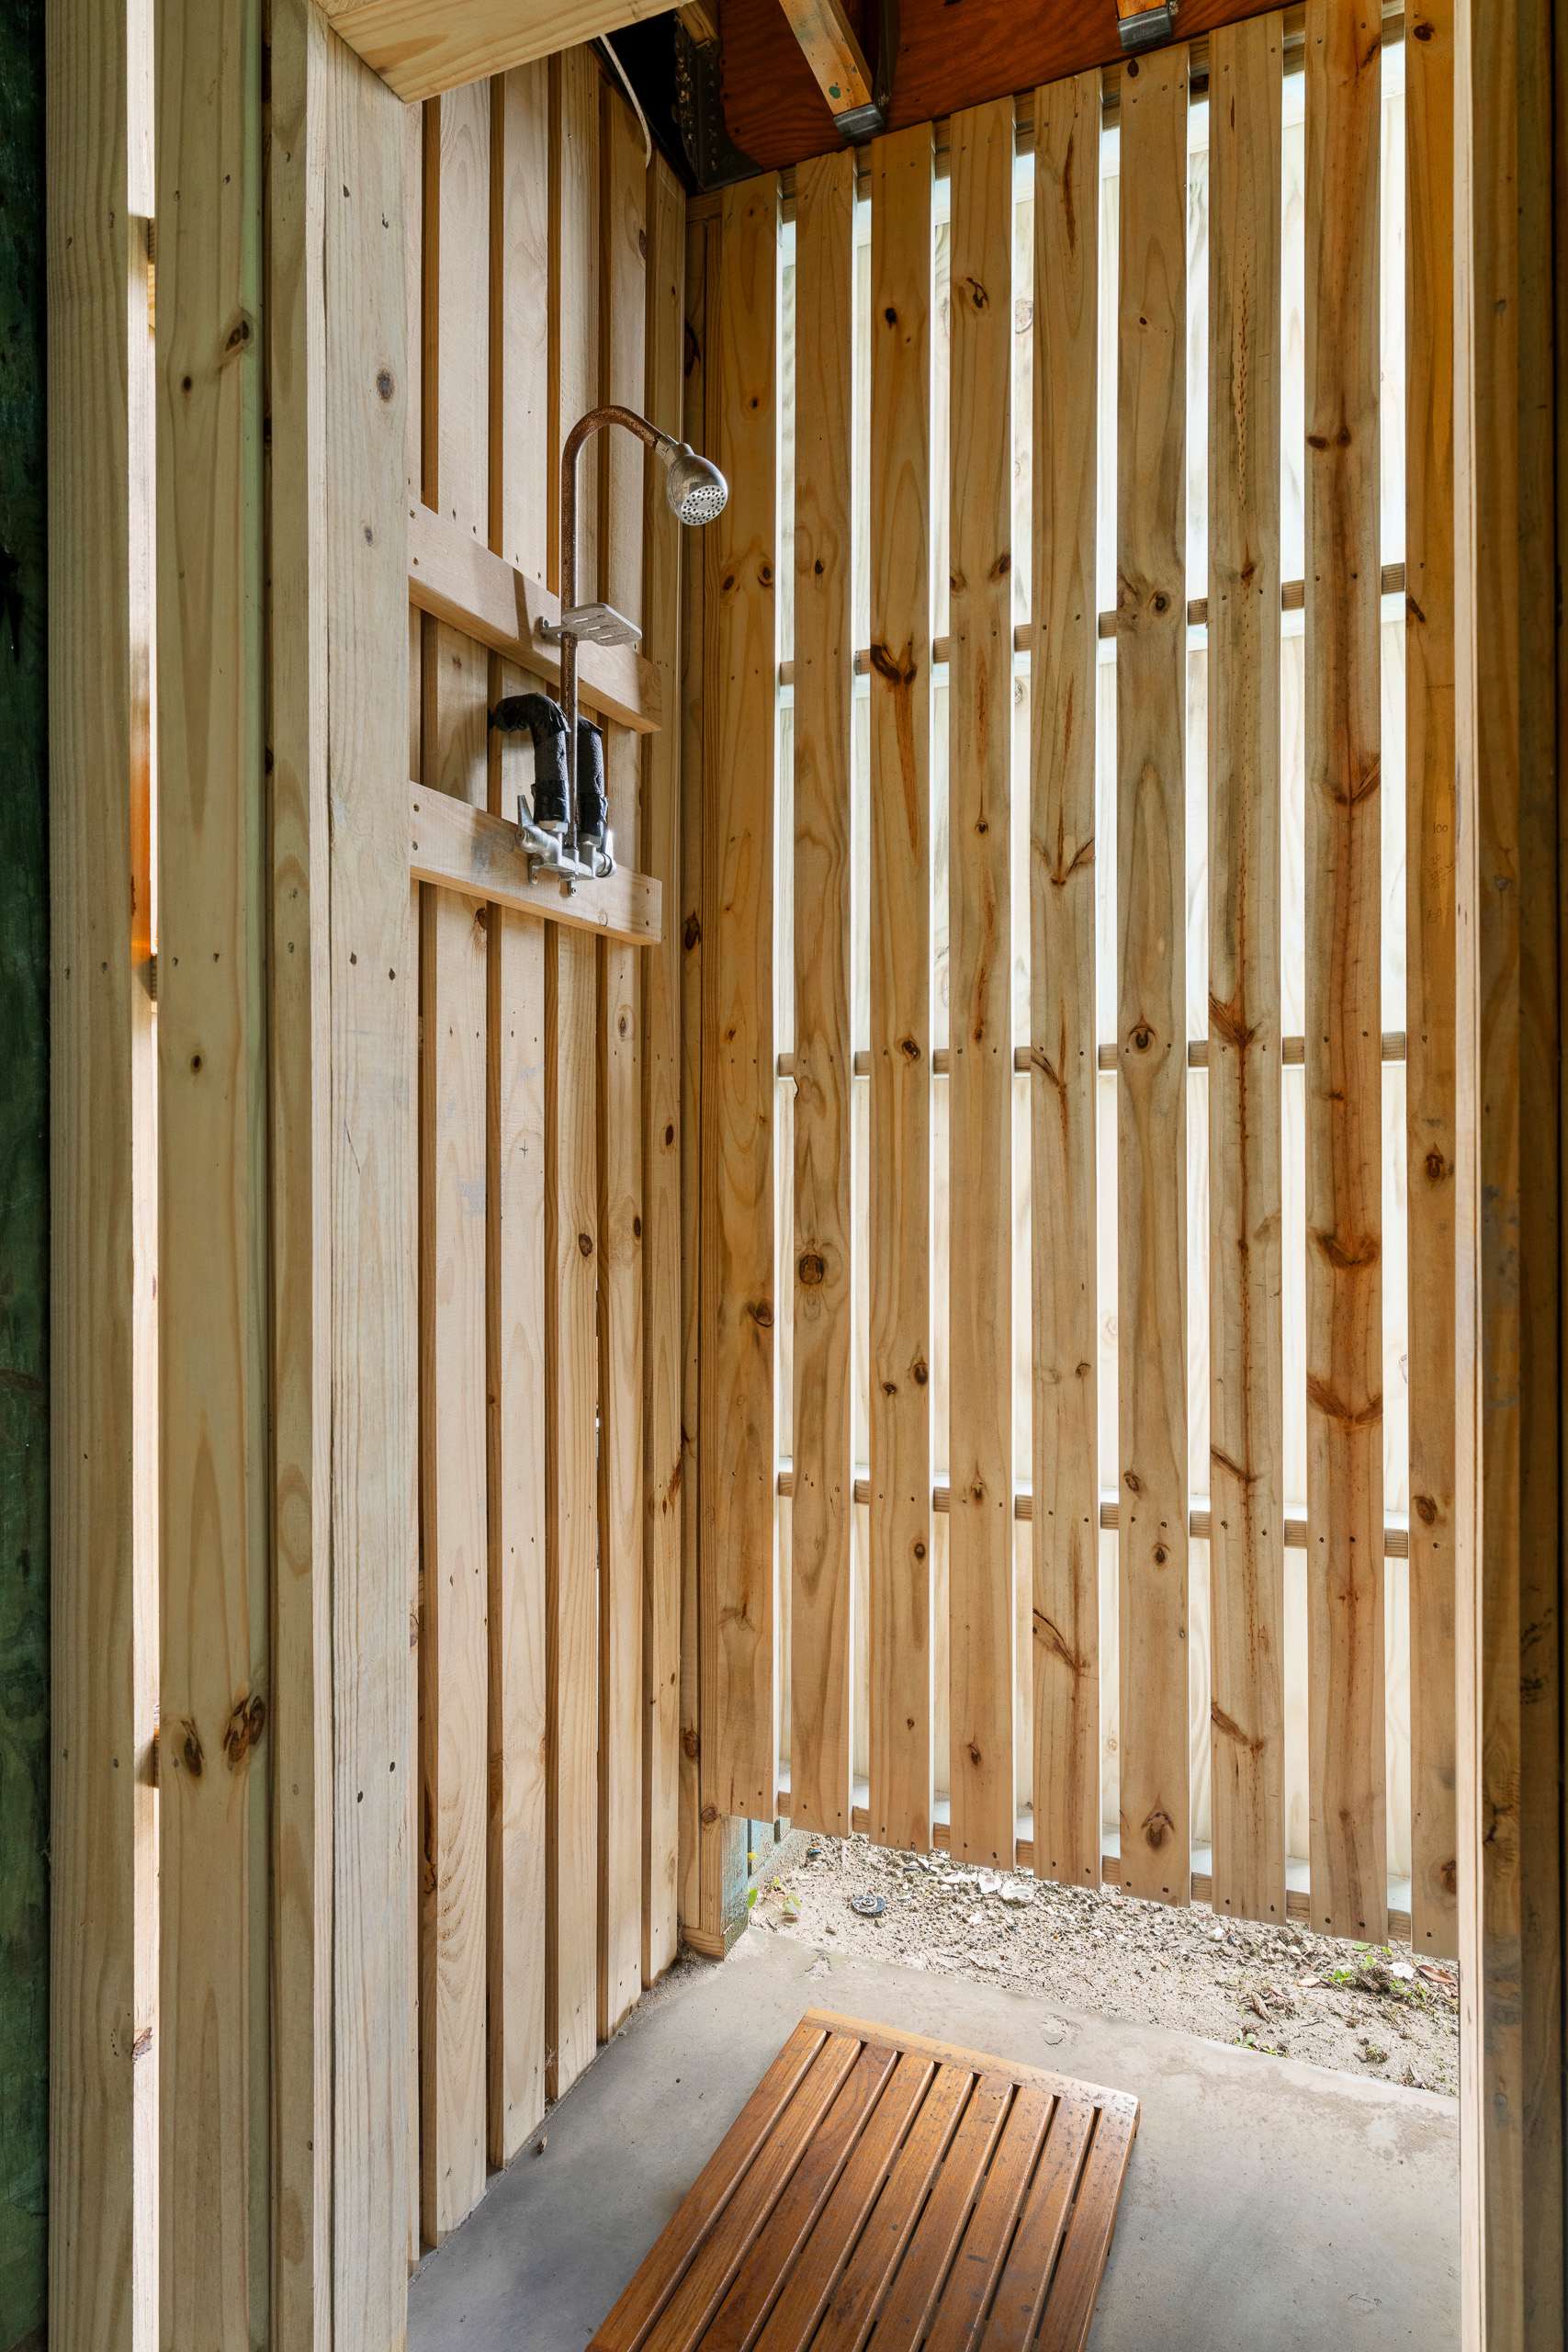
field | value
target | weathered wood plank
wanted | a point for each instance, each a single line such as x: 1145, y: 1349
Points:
x: 901, y: 1171
x: 980, y: 1569
x: 662, y: 1108
x: 736, y: 1622
x: 623, y: 309
x: 454, y: 1171
x: 572, y: 1235
x: 1151, y: 921
x: 1343, y: 1079
x: 820, y: 1527
x: 300, y: 1051
x: 515, y: 1180
x: 475, y: 854
x: 374, y: 1217
x: 103, y: 1976
x: 1063, y: 1060
x: 211, y: 2034
x: 1247, y: 1560
x: 1430, y: 856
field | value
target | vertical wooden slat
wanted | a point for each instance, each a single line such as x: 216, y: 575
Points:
x: 623, y: 300
x: 515, y: 1882
x: 413, y: 463
x: 212, y: 2040
x: 1062, y: 1058
x: 1430, y: 945
x: 1344, y: 1074
x: 899, y: 1179
x: 819, y: 1529
x: 979, y: 892
x: 662, y: 1104
x: 701, y: 238
x: 572, y: 1253
x: 1247, y: 1561
x: 1511, y: 711
x: 1150, y: 919
x: 373, y: 1211
x: 736, y: 1623
x: 454, y: 955
x: 103, y: 2221
x: 300, y: 1078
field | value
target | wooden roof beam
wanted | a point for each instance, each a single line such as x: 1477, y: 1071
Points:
x: 422, y: 47
x: 831, y: 48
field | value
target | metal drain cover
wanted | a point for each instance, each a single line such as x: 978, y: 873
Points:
x: 870, y: 1906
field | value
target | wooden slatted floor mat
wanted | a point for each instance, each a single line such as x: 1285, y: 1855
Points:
x: 878, y: 2189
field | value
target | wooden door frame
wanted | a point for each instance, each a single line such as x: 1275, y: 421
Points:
x: 1509, y: 395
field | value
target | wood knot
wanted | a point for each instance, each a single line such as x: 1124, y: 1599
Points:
x: 812, y: 1270
x: 909, y: 1049
x: 585, y: 1244
x: 918, y: 1373
x: 692, y: 933
x: 691, y: 1747
x: 247, y: 1721
x: 191, y: 1754
x: 386, y: 383
x: 761, y: 1313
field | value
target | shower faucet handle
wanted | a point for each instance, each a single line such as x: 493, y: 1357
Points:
x: 596, y: 624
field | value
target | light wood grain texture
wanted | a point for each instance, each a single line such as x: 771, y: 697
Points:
x: 664, y: 561
x: 374, y: 1217
x: 698, y: 1886
x: 454, y: 1168
x: 515, y: 1180
x: 477, y: 854
x: 736, y: 1623
x: 980, y: 1572
x: 215, y: 1690
x: 103, y: 2163
x: 571, y: 1486
x: 831, y: 48
x: 1431, y: 849
x: 1343, y: 1081
x: 521, y: 491
x: 1510, y: 716
x: 423, y: 47
x: 819, y: 1524
x: 1151, y: 925
x: 454, y: 576
x: 624, y: 300
x: 899, y: 1185
x: 1062, y: 1062
x: 572, y: 1236
x: 300, y: 1077
x: 1247, y: 1560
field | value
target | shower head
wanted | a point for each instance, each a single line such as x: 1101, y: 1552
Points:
x: 696, y: 490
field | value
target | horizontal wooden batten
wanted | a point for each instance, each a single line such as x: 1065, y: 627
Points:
x: 464, y: 849
x: 423, y: 47
x: 1293, y: 1055
x: 464, y: 584
x: 1396, y: 1539
x: 1292, y: 599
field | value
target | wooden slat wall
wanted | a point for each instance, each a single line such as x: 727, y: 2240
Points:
x: 1432, y: 850
x: 979, y: 894
x: 663, y: 1466
x: 1344, y: 1076
x: 210, y: 2038
x: 899, y: 1186
x: 819, y: 1546
x: 1246, y: 1555
x: 536, y: 1835
x: 1064, y: 1061
x: 736, y: 1346
x: 624, y: 233
x: 1151, y: 921
x: 519, y: 358
x: 453, y: 1636
x: 1252, y: 1395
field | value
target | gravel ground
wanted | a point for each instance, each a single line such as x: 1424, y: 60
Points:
x: 1278, y: 1989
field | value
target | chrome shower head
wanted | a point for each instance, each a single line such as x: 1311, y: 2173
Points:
x: 696, y: 490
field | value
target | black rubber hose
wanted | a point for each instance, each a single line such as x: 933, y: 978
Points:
x: 591, y: 811
x: 545, y: 722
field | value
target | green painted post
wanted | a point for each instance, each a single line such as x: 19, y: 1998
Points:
x: 24, y: 1191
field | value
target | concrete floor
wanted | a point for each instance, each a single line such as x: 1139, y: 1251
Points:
x: 1269, y: 2204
